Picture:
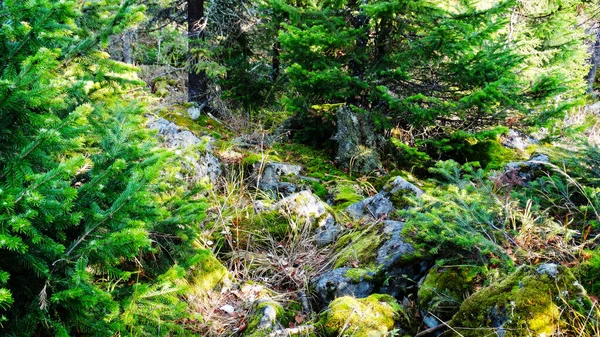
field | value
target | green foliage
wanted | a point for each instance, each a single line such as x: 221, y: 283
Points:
x: 482, y: 147
x: 87, y: 244
x: 460, y: 218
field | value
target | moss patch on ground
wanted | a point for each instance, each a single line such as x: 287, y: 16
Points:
x: 366, y: 317
x: 317, y: 164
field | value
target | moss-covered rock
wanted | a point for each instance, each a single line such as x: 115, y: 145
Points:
x: 528, y: 302
x: 394, y: 195
x: 373, y: 316
x: 356, y: 282
x: 206, y: 272
x: 445, y: 288
x: 359, y: 248
x: 264, y: 318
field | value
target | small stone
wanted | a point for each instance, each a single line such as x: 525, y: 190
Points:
x: 194, y: 112
x: 269, y: 315
x: 227, y: 308
x: 550, y: 269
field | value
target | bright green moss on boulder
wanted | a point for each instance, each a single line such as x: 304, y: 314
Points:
x: 528, y: 302
x: 206, y: 272
x: 365, y: 317
x: 444, y: 289
x: 358, y: 248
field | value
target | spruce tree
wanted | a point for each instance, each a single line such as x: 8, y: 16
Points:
x: 79, y: 214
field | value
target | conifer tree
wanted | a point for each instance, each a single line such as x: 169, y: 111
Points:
x: 77, y: 206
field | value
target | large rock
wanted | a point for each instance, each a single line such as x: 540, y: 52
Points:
x: 344, y: 282
x: 532, y: 301
x: 395, y: 247
x: 520, y: 173
x: 392, y: 196
x: 376, y: 259
x: 373, y: 316
x: 327, y: 232
x: 357, y: 142
x: 197, y: 164
x: 515, y: 139
x: 306, y: 208
x: 272, y: 178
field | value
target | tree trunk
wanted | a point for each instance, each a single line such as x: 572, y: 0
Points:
x: 126, y: 40
x: 197, y: 80
x: 595, y: 61
x: 357, y: 66
x: 276, y: 62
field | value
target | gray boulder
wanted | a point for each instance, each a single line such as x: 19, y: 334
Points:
x: 394, y: 248
x: 520, y: 173
x: 328, y: 232
x: 271, y: 175
x: 343, y: 282
x: 197, y: 164
x: 517, y: 140
x: 384, y: 202
x: 307, y: 208
x: 357, y: 142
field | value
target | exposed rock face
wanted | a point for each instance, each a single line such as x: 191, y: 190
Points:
x: 328, y: 232
x: 304, y: 206
x: 385, y: 202
x: 357, y: 142
x: 524, y: 171
x: 172, y: 135
x: 525, y: 303
x: 198, y: 164
x: 271, y: 176
x: 394, y: 248
x: 382, y: 261
x: 517, y: 140
x: 344, y: 282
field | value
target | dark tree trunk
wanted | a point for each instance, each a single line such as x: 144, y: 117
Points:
x: 595, y: 61
x: 276, y: 62
x: 126, y: 40
x: 197, y: 80
x: 357, y: 66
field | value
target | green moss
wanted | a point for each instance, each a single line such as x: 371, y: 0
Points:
x: 203, y: 125
x: 359, y: 274
x: 365, y: 317
x: 316, y: 163
x: 358, y: 249
x: 525, y: 303
x: 318, y: 188
x: 206, y: 272
x: 444, y: 289
x: 345, y: 195
x: 253, y: 158
x: 253, y: 329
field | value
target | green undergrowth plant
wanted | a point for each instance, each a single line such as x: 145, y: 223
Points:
x: 460, y: 217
